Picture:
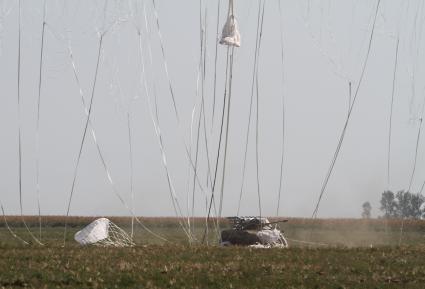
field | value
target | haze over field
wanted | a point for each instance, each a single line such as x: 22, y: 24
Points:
x: 325, y: 44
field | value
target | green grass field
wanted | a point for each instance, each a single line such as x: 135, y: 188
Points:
x: 343, y: 254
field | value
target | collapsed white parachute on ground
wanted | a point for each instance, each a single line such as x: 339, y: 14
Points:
x: 103, y: 232
x: 230, y: 34
x: 269, y: 236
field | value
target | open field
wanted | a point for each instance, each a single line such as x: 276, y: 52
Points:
x: 334, y: 232
x: 358, y: 254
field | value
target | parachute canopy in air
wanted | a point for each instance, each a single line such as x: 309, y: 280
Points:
x: 230, y: 35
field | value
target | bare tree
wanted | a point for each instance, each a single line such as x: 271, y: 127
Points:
x: 367, y: 210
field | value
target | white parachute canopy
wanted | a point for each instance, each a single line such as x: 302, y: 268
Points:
x: 103, y: 232
x: 230, y: 35
x: 269, y: 236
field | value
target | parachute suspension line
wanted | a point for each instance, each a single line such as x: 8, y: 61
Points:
x: 171, y: 186
x: 420, y: 119
x: 227, y: 129
x: 88, y: 113
x: 209, y: 179
x: 130, y: 151
x: 227, y: 134
x: 349, y: 96
x: 196, y: 169
x: 156, y: 126
x: 20, y: 129
x: 417, y: 145
x: 225, y: 105
x: 154, y: 122
x: 412, y: 175
x: 230, y: 37
x: 223, y: 113
x: 130, y: 147
x: 203, y: 112
x: 341, y: 138
x: 202, y: 118
x: 254, y: 73
x: 114, y: 189
x: 173, y: 196
x: 161, y: 41
x: 391, y: 117
x: 171, y: 88
x: 83, y: 138
x: 416, y: 41
x: 37, y: 134
x: 257, y: 155
x: 190, y: 151
x: 215, y: 62
x: 10, y: 229
x: 209, y: 168
x: 422, y: 188
x: 192, y: 122
x: 212, y: 200
x: 282, y: 47
x: 414, y: 49
x: 200, y: 75
x: 93, y: 133
x: 231, y: 10
x: 416, y: 154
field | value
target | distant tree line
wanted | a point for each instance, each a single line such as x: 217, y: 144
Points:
x: 402, y: 204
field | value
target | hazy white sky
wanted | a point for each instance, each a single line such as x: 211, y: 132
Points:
x: 325, y: 45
